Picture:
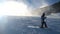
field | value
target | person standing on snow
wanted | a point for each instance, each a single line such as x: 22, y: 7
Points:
x: 43, y: 23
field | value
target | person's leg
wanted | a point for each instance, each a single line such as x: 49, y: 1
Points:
x: 42, y: 25
x: 45, y: 24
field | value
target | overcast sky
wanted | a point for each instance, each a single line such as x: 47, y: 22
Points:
x: 35, y: 3
x: 38, y: 3
x: 12, y: 6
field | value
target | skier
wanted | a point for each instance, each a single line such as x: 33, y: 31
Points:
x: 43, y: 23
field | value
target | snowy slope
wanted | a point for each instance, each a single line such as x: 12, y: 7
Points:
x: 22, y: 25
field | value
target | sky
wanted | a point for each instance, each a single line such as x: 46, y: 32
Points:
x: 34, y: 3
x: 13, y: 8
x: 22, y: 7
x: 39, y: 3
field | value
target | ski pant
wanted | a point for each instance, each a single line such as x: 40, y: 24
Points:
x: 43, y: 24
